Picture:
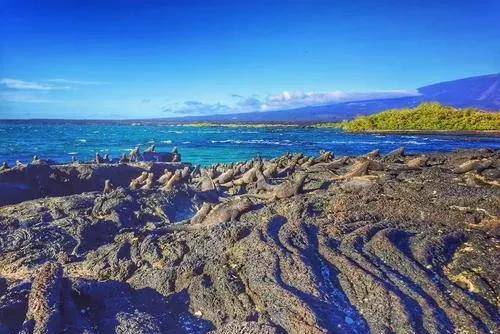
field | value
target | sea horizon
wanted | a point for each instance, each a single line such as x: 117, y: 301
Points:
x: 207, y: 145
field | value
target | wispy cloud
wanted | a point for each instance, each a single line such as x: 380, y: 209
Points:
x: 46, y: 85
x: 27, y: 85
x: 79, y: 82
x: 251, y: 103
x: 20, y: 91
x: 281, y: 101
x: 292, y: 100
x: 198, y: 108
x: 16, y: 90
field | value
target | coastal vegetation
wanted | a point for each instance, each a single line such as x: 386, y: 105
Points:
x: 426, y: 117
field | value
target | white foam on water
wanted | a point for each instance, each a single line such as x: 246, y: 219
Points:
x: 252, y: 141
x: 359, y: 142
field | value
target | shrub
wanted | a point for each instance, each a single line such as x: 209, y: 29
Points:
x: 426, y: 116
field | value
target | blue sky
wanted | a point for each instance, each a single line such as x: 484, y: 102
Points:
x: 134, y: 59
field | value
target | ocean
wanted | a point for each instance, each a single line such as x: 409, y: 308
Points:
x: 206, y: 145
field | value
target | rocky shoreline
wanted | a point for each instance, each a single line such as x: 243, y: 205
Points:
x: 296, y: 244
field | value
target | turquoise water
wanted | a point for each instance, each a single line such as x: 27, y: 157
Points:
x: 206, y: 145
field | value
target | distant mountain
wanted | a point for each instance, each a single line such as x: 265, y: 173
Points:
x: 480, y: 92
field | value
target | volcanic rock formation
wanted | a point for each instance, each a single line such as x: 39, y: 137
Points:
x: 391, y: 244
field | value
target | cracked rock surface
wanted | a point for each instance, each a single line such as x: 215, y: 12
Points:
x: 399, y: 249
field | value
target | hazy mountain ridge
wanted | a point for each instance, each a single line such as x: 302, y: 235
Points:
x: 481, y: 92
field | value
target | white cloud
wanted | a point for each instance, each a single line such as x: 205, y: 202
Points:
x: 51, y: 84
x: 282, y: 101
x: 198, y: 108
x: 292, y: 100
x: 15, y: 90
x: 79, y: 82
x: 27, y: 85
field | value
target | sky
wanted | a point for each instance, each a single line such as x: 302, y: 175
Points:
x: 99, y: 59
